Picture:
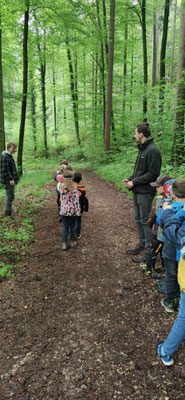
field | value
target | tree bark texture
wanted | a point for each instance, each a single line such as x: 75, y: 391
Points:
x: 179, y: 144
x: 110, y: 75
x: 173, y: 41
x: 102, y: 65
x: 163, y: 54
x: 145, y: 60
x: 25, y: 88
x: 154, y: 49
x: 54, y: 104
x: 2, y: 132
x: 73, y: 92
x: 33, y: 111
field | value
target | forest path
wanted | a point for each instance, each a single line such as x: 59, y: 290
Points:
x: 83, y: 324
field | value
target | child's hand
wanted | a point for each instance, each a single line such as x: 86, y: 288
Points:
x: 166, y: 206
x: 124, y: 182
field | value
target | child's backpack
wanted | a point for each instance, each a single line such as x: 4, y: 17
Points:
x: 84, y: 203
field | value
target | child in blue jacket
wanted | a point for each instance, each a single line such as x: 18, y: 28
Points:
x: 174, y: 230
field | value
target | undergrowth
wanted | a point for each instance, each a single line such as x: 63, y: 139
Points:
x: 16, y: 234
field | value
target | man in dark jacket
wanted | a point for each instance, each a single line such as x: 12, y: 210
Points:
x: 146, y: 170
x: 9, y: 176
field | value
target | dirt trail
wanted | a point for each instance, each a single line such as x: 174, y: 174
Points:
x: 83, y: 324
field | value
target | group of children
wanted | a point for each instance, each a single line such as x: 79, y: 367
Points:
x: 167, y: 221
x: 72, y: 201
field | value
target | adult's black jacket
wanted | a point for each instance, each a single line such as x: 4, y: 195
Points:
x: 147, y: 167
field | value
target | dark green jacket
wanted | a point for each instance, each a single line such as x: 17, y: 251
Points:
x: 147, y: 167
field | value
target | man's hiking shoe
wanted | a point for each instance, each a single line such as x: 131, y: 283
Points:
x: 168, y: 306
x: 167, y: 360
x: 134, y: 250
x: 73, y: 244
x: 142, y: 257
x: 64, y: 246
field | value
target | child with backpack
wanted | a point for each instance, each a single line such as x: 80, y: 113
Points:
x: 84, y: 205
x: 70, y: 208
x: 174, y: 229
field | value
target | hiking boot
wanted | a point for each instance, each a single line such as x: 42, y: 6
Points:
x: 135, y: 250
x: 73, y: 244
x: 168, y: 306
x: 142, y: 257
x: 148, y: 270
x: 64, y: 246
x: 167, y: 360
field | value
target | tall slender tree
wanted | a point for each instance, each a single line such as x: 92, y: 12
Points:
x: 110, y: 75
x: 2, y: 132
x: 163, y: 54
x: 179, y: 133
x: 25, y: 88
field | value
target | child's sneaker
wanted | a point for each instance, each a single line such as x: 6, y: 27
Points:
x: 158, y: 275
x: 167, y: 360
x: 148, y: 270
x: 64, y: 246
x: 168, y: 306
x: 78, y: 236
x: 143, y: 266
x: 73, y: 244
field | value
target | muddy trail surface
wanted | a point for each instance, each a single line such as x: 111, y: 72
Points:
x: 83, y: 324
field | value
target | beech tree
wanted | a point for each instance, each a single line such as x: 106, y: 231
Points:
x: 2, y: 133
x: 179, y: 133
x: 25, y: 86
x: 110, y: 75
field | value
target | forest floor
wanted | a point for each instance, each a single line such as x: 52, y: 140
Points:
x: 83, y: 324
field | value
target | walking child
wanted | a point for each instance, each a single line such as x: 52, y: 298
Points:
x: 70, y: 208
x: 84, y: 205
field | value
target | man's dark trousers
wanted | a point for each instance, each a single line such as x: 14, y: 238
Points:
x: 142, y: 206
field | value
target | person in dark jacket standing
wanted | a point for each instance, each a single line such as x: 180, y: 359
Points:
x: 9, y: 177
x: 146, y: 170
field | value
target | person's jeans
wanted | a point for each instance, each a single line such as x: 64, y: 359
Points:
x: 177, y: 333
x: 68, y: 223
x: 142, y: 207
x: 9, y: 197
x: 172, y: 287
x: 78, y: 224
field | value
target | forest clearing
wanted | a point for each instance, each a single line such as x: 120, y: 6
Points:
x: 83, y: 324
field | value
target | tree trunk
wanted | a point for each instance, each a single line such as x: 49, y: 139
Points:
x: 131, y: 73
x: 73, y: 94
x: 33, y: 111
x: 125, y: 66
x: 2, y: 133
x: 54, y: 104
x: 173, y: 41
x: 178, y: 144
x: 145, y: 60
x: 110, y: 75
x: 163, y: 54
x: 25, y: 87
x: 102, y: 66
x: 154, y: 50
x: 84, y: 87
